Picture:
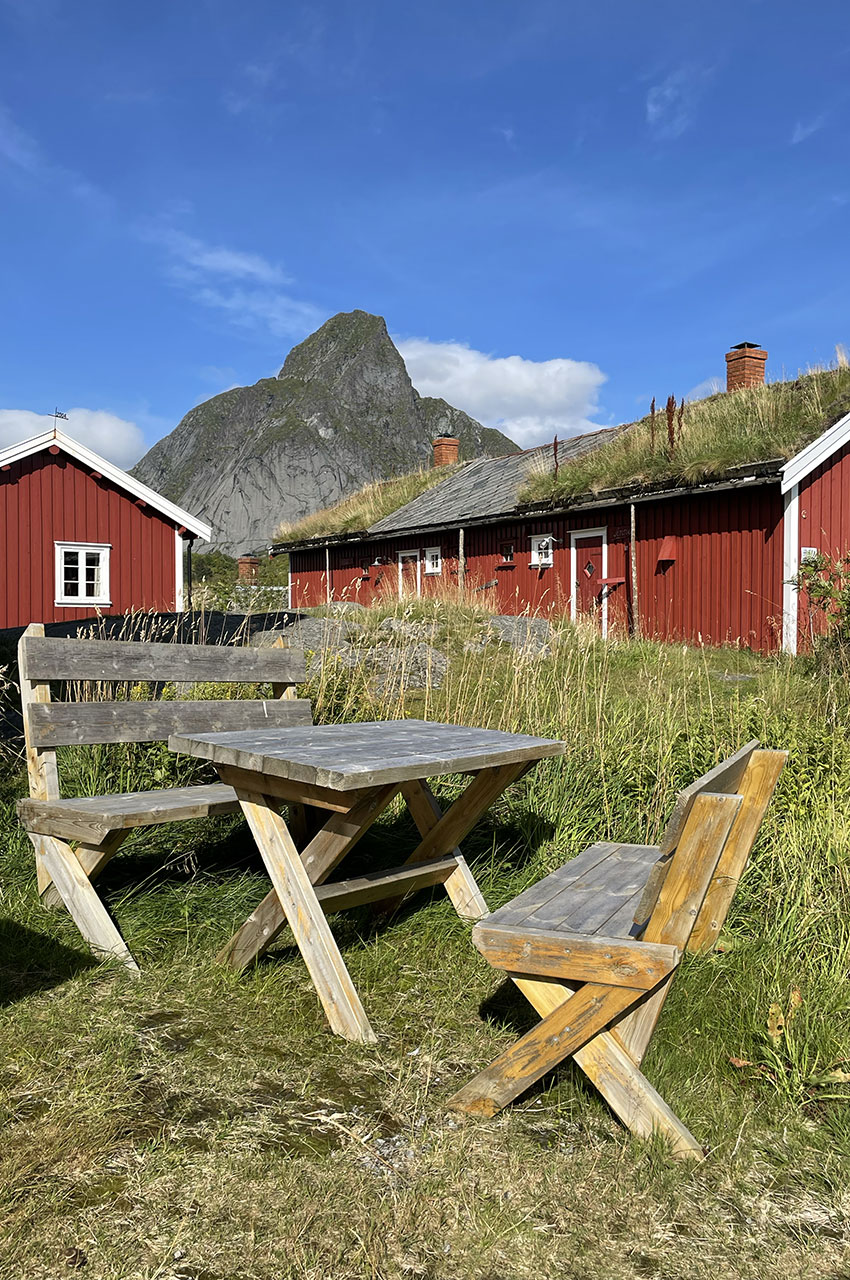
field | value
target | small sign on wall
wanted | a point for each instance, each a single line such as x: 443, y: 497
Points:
x: 807, y: 554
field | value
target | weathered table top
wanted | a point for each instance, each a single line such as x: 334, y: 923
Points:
x: 345, y: 757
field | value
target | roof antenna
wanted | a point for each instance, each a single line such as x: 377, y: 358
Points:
x: 56, y: 415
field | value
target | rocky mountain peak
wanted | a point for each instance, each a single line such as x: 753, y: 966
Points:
x: 341, y: 413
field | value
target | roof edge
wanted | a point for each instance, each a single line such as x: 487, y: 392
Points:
x: 816, y: 453
x: 35, y: 444
x: 756, y: 473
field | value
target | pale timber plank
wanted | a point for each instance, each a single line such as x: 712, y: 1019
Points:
x: 42, y: 771
x: 681, y: 897
x: 325, y: 851
x: 372, y: 887
x: 536, y: 898
x: 588, y: 902
x: 84, y: 906
x: 722, y: 779
x: 92, y: 818
x: 574, y: 957
x: 60, y: 724
x: 756, y: 788
x: 608, y: 1065
x: 301, y: 792
x: 556, y: 1037
x: 306, y: 919
x: 92, y: 859
x: 51, y: 658
x: 458, y: 821
x: 348, y: 756
x: 424, y: 808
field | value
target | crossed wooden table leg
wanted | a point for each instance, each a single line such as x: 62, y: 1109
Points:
x: 300, y: 897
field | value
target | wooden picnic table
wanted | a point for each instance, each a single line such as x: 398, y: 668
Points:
x: 354, y: 771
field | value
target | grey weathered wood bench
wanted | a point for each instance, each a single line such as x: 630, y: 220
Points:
x: 98, y: 825
x: 594, y: 946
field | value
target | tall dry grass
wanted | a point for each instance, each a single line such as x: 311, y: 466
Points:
x: 366, y: 507
x: 727, y: 430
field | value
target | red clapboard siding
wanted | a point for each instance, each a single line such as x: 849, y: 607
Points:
x: 369, y: 571
x: 47, y: 498
x: 725, y: 584
x: 824, y: 516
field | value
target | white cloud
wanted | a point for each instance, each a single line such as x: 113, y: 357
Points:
x: 671, y: 104
x: 530, y: 400
x: 246, y: 286
x: 708, y: 387
x: 114, y: 438
x: 804, y: 129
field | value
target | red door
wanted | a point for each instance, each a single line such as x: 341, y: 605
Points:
x: 588, y: 585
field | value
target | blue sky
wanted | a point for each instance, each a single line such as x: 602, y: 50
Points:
x: 561, y: 209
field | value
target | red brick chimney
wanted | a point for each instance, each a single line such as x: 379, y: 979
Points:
x: 745, y: 366
x: 247, y: 567
x: 445, y: 451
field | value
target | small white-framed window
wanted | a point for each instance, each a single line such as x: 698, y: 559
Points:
x: 82, y: 573
x: 541, y: 550
x: 434, y: 560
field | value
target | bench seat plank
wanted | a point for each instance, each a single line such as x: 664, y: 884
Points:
x: 91, y: 818
x: 587, y: 894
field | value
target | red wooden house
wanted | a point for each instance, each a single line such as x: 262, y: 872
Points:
x: 82, y: 537
x: 709, y: 563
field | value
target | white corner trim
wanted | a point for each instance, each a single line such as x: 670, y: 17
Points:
x: 790, y: 567
x: 576, y: 537
x: 179, y: 602
x: 35, y: 444
x: 816, y: 453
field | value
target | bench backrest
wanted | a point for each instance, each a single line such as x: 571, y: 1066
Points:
x: 48, y: 725
x: 705, y: 848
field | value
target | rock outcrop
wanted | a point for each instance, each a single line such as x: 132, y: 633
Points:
x: 341, y: 413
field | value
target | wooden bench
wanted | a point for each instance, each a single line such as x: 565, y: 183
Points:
x: 75, y: 837
x: 594, y: 946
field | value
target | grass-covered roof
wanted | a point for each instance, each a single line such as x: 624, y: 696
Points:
x: 366, y: 507
x: 705, y: 439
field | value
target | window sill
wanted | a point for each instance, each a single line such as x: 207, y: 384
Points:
x: 81, y: 604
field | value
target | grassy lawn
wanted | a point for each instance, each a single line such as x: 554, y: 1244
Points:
x: 197, y: 1125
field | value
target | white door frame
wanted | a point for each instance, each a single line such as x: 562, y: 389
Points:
x: 790, y: 568
x: 576, y: 537
x: 409, y: 555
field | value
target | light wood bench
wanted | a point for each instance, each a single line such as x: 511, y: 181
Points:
x: 75, y: 837
x: 594, y: 946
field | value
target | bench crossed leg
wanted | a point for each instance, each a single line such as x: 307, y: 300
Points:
x: 614, y: 1070
x: 560, y: 1033
x: 77, y: 892
x: 92, y: 859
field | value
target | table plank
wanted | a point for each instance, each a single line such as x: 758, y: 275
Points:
x: 348, y: 756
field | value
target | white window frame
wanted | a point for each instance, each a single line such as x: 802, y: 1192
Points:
x: 433, y: 551
x: 536, y: 539
x: 409, y: 555
x: 575, y: 538
x: 81, y: 601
